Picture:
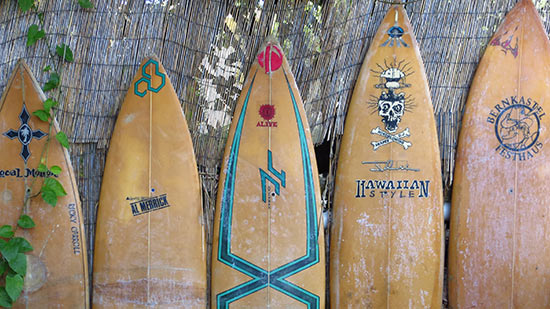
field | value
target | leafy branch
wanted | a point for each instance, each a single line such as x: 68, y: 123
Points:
x: 13, y: 261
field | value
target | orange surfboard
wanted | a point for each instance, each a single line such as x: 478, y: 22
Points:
x: 268, y: 245
x: 57, y: 270
x: 387, y: 229
x: 499, y: 246
x: 149, y: 247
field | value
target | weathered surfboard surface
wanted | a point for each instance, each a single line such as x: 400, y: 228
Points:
x: 57, y: 274
x: 268, y: 247
x: 387, y: 230
x: 149, y: 248
x: 499, y: 252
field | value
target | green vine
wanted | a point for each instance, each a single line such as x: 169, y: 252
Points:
x: 13, y: 261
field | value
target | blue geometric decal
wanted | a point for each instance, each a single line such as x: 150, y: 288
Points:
x: 147, y: 78
x: 261, y: 278
x: 265, y: 176
x: 395, y: 34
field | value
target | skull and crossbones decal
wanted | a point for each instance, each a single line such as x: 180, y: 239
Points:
x: 391, y: 104
x: 388, y: 138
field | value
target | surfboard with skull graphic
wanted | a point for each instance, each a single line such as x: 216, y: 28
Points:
x: 387, y: 231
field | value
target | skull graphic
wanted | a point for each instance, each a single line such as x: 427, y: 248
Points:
x: 393, y: 102
x: 391, y: 107
x: 393, y: 78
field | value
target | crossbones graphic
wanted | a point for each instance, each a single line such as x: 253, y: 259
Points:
x: 396, y: 138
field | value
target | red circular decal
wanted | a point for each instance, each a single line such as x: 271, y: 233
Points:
x: 274, y: 58
x: 267, y: 111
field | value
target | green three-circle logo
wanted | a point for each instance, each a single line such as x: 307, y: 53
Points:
x: 147, y: 79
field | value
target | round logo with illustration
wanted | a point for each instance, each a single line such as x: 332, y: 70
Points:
x: 517, y: 128
x: 517, y: 125
x: 267, y: 111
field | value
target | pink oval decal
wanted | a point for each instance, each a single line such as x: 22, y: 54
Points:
x: 274, y: 58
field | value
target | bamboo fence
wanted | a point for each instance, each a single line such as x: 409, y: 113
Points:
x: 207, y: 46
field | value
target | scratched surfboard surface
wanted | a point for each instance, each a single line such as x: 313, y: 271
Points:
x: 387, y: 230
x: 499, y: 252
x: 268, y: 247
x: 57, y: 274
x: 149, y: 248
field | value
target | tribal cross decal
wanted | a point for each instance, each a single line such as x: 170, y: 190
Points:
x: 396, y: 138
x: 25, y: 134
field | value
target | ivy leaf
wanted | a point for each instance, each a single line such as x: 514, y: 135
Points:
x: 56, y: 169
x: 5, y: 300
x: 52, y: 83
x: 34, y: 34
x: 42, y: 168
x: 22, y: 244
x: 6, y: 231
x: 49, y: 103
x: 64, y: 52
x: 25, y: 5
x: 49, y: 196
x: 85, y: 4
x: 26, y: 222
x: 19, y: 264
x: 55, y: 186
x: 51, y: 190
x: 41, y: 114
x: 3, y: 266
x: 9, y: 249
x: 47, y: 68
x: 14, y: 286
x: 62, y: 138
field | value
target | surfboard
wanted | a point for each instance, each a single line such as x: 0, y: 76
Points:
x: 268, y: 245
x: 149, y: 247
x: 499, y: 246
x: 57, y: 270
x: 387, y: 230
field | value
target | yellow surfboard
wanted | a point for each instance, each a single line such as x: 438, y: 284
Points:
x: 57, y: 270
x: 499, y: 246
x: 268, y: 246
x: 149, y: 246
x: 387, y: 229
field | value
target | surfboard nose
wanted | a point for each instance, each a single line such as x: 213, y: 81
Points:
x: 270, y: 55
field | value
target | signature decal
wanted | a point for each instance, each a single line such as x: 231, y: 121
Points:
x: 75, y: 230
x: 391, y: 165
